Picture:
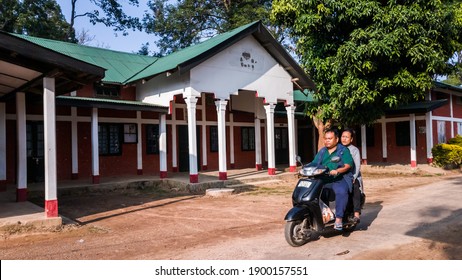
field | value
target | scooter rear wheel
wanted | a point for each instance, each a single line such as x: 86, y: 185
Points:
x: 295, y: 234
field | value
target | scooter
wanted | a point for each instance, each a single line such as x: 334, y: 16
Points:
x: 311, y: 216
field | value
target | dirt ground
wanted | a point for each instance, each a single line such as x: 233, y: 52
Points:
x: 163, y: 224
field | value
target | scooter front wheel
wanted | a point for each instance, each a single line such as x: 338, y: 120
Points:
x: 297, y: 233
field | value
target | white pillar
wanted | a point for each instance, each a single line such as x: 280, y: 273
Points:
x: 429, y: 135
x: 363, y: 144
x: 221, y: 117
x: 291, y: 130
x: 231, y: 139
x: 2, y: 145
x: 49, y: 131
x: 163, y: 145
x: 315, y: 140
x: 258, y: 163
x: 270, y: 138
x: 174, y: 140
x: 191, y: 102
x: 451, y: 115
x: 21, y: 192
x: 204, y: 133
x: 413, y: 140
x: 74, y: 143
x: 384, y: 140
x: 94, y: 146
x: 296, y: 138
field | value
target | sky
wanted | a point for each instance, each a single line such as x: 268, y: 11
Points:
x: 104, y: 36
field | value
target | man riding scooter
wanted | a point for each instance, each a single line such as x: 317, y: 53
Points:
x: 340, y: 179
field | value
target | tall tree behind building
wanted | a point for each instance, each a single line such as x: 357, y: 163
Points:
x: 40, y: 18
x: 367, y: 56
x: 188, y: 22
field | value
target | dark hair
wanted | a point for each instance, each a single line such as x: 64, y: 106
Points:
x: 351, y: 131
x: 333, y: 130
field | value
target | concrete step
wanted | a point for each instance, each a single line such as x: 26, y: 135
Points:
x: 254, y: 183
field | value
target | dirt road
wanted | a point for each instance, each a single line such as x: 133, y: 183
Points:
x: 407, y: 216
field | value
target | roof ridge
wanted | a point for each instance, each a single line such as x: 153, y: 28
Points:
x: 27, y: 37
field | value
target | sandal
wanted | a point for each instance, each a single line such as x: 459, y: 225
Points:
x: 338, y: 226
x: 356, y: 220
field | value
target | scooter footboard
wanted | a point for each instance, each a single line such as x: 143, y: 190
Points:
x: 297, y: 213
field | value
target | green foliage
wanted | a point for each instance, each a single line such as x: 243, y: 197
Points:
x: 456, y: 140
x: 112, y: 15
x: 367, y: 56
x: 448, y: 155
x: 188, y: 22
x: 41, y: 18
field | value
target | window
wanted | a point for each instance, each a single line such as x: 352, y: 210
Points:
x: 214, y: 139
x: 370, y: 136
x: 130, y: 133
x: 102, y: 90
x: 152, y: 139
x: 441, y: 132
x: 402, y: 134
x: 110, y: 139
x: 459, y: 128
x: 440, y: 96
x: 248, y: 138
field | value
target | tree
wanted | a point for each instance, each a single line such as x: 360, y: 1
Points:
x: 191, y: 21
x: 113, y: 15
x: 366, y: 56
x: 41, y: 18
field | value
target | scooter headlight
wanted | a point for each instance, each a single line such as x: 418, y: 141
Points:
x: 311, y: 171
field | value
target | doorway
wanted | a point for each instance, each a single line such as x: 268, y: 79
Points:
x: 183, y: 148
x: 35, y: 152
x: 281, y: 145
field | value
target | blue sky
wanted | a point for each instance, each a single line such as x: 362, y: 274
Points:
x: 104, y: 36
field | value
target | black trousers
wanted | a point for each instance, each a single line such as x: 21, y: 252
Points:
x: 356, y: 197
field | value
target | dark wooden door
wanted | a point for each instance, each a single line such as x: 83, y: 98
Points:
x: 35, y: 152
x: 183, y: 148
x: 281, y: 145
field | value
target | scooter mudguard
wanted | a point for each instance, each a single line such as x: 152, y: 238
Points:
x: 297, y: 213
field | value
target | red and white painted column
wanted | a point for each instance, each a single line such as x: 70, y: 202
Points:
x: 270, y: 138
x: 163, y: 145
x: 291, y: 130
x: 94, y: 146
x: 139, y: 145
x: 2, y: 147
x: 413, y: 140
x: 363, y: 145
x: 74, y: 141
x: 191, y: 102
x: 204, y: 132
x: 429, y: 136
x: 384, y: 140
x: 258, y: 157
x: 231, y: 140
x: 21, y: 191
x: 221, y: 110
x: 49, y: 126
x: 174, y: 140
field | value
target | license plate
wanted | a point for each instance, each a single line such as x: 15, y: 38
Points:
x: 304, y: 184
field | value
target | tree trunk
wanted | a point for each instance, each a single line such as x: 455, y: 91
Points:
x: 321, y: 127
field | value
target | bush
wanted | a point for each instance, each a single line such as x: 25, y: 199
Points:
x: 448, y: 155
x: 456, y: 140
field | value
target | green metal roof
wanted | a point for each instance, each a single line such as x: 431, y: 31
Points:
x: 180, y: 57
x: 109, y: 103
x: 446, y: 86
x: 119, y: 66
x: 303, y: 96
x: 124, y: 68
x: 417, y: 107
